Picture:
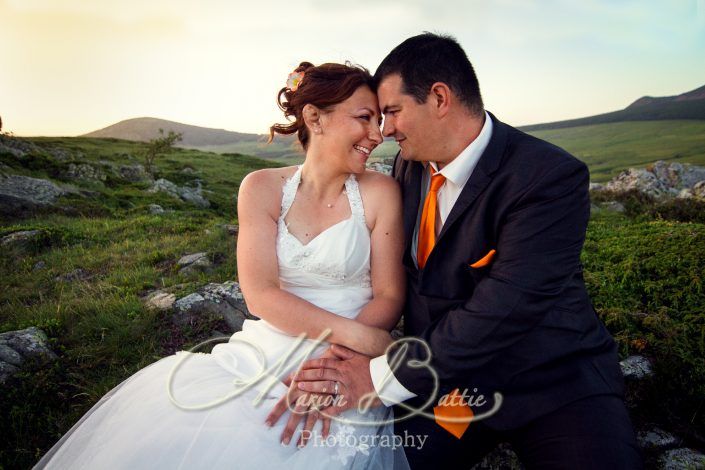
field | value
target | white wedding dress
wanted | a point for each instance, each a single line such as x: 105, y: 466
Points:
x: 145, y: 423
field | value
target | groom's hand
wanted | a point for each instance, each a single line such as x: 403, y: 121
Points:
x: 351, y: 370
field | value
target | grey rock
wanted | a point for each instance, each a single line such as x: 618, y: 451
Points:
x: 20, y: 193
x: 380, y: 168
x: 78, y: 274
x: 596, y: 187
x: 232, y: 229
x: 16, y: 146
x: 39, y: 265
x: 133, y: 173
x: 698, y: 190
x: 18, y: 346
x: 659, y: 180
x: 84, y: 172
x: 195, y: 262
x: 156, y: 209
x: 502, y: 457
x: 58, y: 153
x: 6, y: 371
x: 9, y: 355
x: 22, y: 240
x: 638, y: 179
x: 613, y: 206
x: 683, y: 458
x: 678, y: 175
x: 160, y: 300
x: 224, y: 300
x: 656, y: 439
x: 685, y: 194
x: 191, y: 195
x: 636, y: 367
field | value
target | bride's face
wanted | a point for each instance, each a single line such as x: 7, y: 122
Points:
x: 351, y: 130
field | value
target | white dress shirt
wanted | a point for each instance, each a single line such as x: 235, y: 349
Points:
x: 457, y: 174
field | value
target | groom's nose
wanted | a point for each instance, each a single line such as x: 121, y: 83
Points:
x: 387, y: 127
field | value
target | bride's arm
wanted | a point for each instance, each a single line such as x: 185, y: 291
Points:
x: 259, y: 204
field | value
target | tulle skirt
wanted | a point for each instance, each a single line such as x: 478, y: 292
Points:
x: 195, y: 410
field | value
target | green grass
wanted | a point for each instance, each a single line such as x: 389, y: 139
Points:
x: 644, y: 274
x: 99, y: 326
x: 608, y: 149
x: 646, y: 279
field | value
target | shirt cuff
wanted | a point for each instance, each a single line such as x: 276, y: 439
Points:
x: 388, y: 388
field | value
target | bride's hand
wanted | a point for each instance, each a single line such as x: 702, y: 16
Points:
x: 302, y: 405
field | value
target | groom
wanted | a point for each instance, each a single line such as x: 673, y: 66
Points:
x: 495, y: 222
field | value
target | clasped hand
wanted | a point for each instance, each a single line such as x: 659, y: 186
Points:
x: 312, y: 392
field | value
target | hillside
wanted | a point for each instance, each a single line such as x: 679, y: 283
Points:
x: 608, y: 149
x: 689, y: 105
x: 202, y: 138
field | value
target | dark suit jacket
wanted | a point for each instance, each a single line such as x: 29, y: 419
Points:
x: 523, y: 325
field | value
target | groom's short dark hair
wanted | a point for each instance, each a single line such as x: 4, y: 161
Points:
x: 428, y: 58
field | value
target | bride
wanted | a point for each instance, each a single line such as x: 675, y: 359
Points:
x: 319, y: 258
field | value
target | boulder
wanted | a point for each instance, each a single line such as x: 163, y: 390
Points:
x: 160, y: 300
x: 133, y: 173
x: 84, y: 172
x: 195, y: 262
x: 22, y: 193
x: 638, y: 179
x: 78, y: 274
x: 656, y: 439
x: 21, y: 240
x: 613, y: 206
x: 684, y: 458
x: 224, y: 300
x: 232, y: 229
x: 18, y: 346
x: 636, y: 367
x: 191, y: 195
x: 698, y: 190
x: 662, y: 179
x: 155, y: 209
x: 16, y: 146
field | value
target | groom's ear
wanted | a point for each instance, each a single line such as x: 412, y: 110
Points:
x: 312, y: 117
x: 440, y: 97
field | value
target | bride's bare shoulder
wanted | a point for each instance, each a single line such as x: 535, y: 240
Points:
x: 264, y: 187
x: 377, y: 183
x: 379, y: 193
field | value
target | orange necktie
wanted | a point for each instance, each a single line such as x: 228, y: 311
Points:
x: 427, y: 227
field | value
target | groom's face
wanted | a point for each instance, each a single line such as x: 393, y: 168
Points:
x: 405, y: 119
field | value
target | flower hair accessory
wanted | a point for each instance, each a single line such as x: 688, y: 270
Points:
x: 294, y: 80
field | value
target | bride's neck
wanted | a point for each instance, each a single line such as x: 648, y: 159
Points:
x: 321, y: 180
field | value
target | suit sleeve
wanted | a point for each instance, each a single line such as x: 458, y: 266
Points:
x: 538, y: 252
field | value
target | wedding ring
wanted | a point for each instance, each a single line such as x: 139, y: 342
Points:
x: 335, y: 388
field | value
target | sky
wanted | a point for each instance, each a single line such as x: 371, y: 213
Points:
x: 68, y: 67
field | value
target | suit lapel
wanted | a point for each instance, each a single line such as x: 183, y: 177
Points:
x: 411, y: 182
x: 481, y: 175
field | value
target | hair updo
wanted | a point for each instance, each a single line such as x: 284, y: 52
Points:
x: 323, y: 86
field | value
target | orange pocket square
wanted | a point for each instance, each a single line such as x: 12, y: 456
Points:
x: 485, y: 260
x: 455, y: 416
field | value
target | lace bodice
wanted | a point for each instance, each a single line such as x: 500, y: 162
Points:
x: 338, y: 257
